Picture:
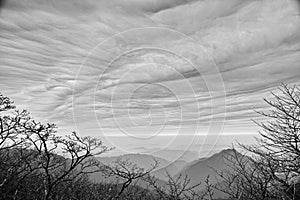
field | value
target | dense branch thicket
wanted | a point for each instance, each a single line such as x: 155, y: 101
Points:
x: 273, y: 170
x: 278, y: 148
x: 29, y: 164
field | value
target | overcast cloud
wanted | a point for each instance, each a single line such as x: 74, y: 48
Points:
x: 145, y: 67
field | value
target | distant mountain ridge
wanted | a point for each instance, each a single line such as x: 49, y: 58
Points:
x: 197, y: 170
x: 146, y: 161
x: 200, y: 169
x: 142, y: 160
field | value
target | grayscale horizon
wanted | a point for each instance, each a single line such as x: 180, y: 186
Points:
x: 149, y: 76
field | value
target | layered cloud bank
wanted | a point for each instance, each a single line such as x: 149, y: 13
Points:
x: 147, y: 67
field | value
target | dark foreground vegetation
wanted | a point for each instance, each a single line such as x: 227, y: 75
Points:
x: 36, y: 163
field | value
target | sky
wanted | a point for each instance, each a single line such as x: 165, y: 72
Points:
x: 147, y: 68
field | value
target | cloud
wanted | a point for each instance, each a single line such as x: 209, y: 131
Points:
x: 156, y: 65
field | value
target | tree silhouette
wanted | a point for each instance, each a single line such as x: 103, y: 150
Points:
x: 273, y: 170
x: 128, y: 172
x: 280, y: 139
x: 29, y: 149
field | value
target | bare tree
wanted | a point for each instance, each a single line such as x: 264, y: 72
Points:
x: 272, y: 172
x: 175, y: 188
x: 13, y: 156
x: 245, y: 178
x: 281, y: 134
x: 209, y: 191
x: 128, y: 172
x: 31, y: 149
x: 11, y: 122
x: 55, y: 169
x: 280, y: 139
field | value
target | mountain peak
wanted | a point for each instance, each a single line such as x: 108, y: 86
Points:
x: 227, y: 151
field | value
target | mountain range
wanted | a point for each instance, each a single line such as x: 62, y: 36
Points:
x: 198, y: 170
